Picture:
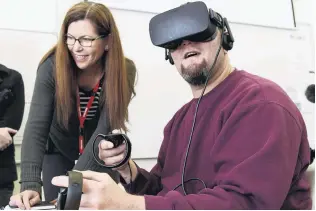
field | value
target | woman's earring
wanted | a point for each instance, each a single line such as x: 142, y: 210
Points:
x: 106, y: 48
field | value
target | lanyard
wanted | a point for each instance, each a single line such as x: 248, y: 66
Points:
x: 83, y: 117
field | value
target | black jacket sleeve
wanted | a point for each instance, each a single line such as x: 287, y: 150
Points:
x: 13, y: 115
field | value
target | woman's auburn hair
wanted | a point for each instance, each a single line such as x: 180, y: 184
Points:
x: 120, y: 72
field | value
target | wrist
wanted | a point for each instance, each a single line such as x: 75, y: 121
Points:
x: 31, y: 186
x: 125, y: 172
x: 125, y: 175
x: 129, y: 172
x: 133, y: 202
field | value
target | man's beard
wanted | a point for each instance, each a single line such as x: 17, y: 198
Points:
x: 196, y: 74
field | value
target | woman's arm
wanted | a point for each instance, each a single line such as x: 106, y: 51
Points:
x: 37, y: 128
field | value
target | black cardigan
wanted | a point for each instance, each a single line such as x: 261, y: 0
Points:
x: 11, y: 115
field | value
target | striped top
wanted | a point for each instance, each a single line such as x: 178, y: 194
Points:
x: 84, y: 99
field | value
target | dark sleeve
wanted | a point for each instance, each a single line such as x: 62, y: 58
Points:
x: 150, y: 182
x: 37, y: 128
x: 254, y: 165
x: 145, y: 182
x: 14, y: 113
x: 86, y: 161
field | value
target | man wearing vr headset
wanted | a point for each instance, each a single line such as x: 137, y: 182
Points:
x: 240, y: 143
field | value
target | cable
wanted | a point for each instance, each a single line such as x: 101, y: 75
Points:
x: 195, y: 115
x: 191, y: 180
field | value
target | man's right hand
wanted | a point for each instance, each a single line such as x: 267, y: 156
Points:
x: 112, y: 156
x: 25, y: 199
x: 5, y: 137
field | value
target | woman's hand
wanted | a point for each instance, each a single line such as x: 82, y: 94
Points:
x: 25, y: 199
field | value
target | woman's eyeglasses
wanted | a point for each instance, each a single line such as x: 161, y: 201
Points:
x: 83, y: 41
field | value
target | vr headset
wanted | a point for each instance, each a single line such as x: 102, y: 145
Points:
x: 192, y: 21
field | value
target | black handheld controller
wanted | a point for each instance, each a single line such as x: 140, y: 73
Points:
x: 117, y: 139
x: 69, y: 198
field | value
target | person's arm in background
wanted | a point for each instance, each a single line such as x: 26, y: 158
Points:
x: 13, y: 115
x: 37, y: 128
x: 86, y: 161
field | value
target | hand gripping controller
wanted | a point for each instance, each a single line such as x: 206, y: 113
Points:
x: 117, y: 139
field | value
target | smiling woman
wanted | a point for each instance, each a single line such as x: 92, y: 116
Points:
x: 90, y: 46
x: 83, y: 87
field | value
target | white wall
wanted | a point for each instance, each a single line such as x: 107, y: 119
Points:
x: 305, y: 16
x: 256, y: 12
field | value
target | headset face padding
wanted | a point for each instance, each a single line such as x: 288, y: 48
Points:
x: 227, y: 45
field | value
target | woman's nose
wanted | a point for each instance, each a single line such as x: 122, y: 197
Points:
x: 77, y: 47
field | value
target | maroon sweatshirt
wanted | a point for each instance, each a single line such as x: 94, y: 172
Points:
x: 249, y: 146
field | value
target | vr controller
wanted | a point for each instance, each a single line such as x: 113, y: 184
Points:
x: 69, y: 198
x: 117, y: 139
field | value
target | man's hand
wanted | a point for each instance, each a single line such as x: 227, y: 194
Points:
x: 5, y: 137
x: 101, y: 192
x: 112, y: 156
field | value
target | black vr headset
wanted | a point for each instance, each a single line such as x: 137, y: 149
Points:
x: 192, y: 21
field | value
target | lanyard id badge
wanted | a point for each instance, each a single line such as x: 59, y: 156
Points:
x: 82, y: 117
